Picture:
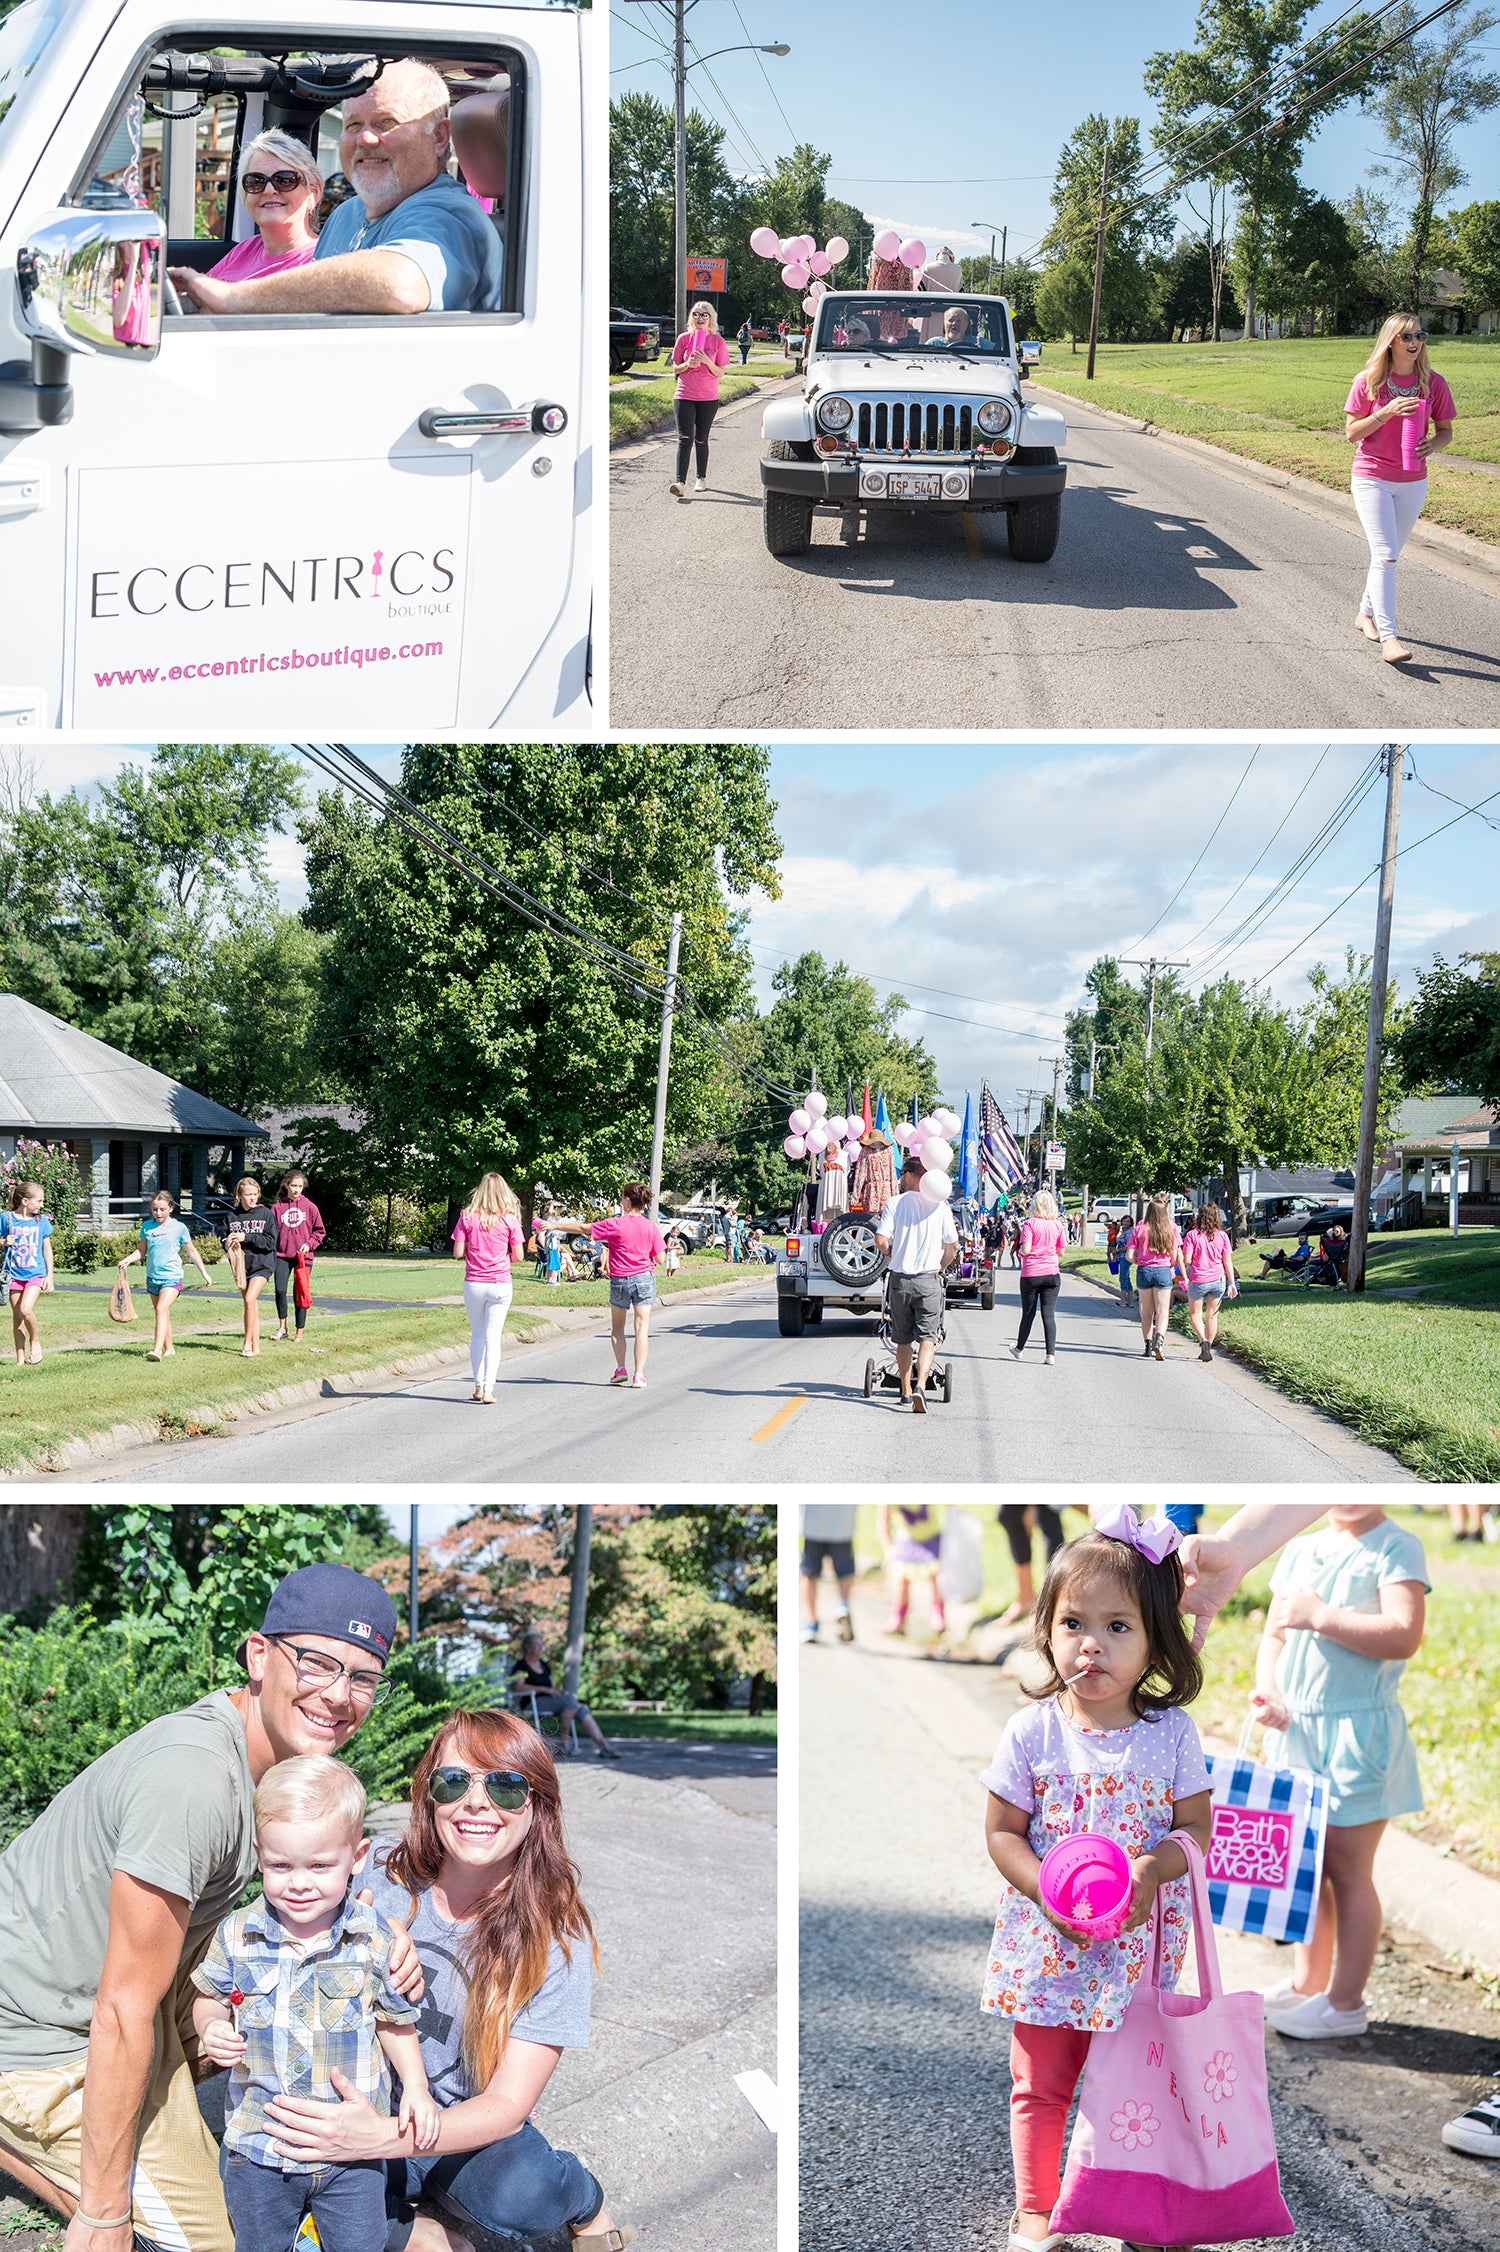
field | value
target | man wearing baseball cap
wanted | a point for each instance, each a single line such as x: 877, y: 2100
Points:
x: 111, y: 1896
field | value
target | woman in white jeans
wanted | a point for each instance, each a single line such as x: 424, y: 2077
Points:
x: 488, y: 1239
x: 1397, y: 386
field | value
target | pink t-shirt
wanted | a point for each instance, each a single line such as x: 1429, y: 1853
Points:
x: 635, y: 1243
x: 1378, y: 453
x: 1041, y: 1241
x: 248, y: 261
x: 1142, y: 1253
x: 700, y: 382
x: 1207, y: 1255
x: 489, y: 1246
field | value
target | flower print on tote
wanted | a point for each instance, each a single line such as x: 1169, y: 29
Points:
x: 1220, y: 2076
x: 1134, y: 2124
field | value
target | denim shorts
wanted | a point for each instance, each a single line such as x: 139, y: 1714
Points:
x: 1206, y: 1289
x: 1153, y: 1278
x: 632, y: 1290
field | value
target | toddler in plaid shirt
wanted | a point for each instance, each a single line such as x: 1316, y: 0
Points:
x: 293, y: 1989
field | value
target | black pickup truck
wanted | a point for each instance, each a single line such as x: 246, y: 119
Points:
x: 631, y: 337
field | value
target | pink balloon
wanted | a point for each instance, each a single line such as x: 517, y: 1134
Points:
x: 851, y: 1150
x: 913, y: 254
x: 936, y: 1155
x: 934, y: 1188
x: 794, y: 276
x: 795, y: 1147
x: 766, y: 243
x: 838, y: 250
x: 924, y: 1129
x: 817, y: 1140
x: 838, y: 1127
x: 815, y: 1104
x: 799, y: 1121
x: 809, y: 306
x: 820, y: 262
x: 903, y: 1133
x: 789, y: 246
x: 819, y: 289
x: 887, y: 244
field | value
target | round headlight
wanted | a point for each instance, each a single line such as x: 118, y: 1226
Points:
x: 834, y: 414
x: 994, y: 416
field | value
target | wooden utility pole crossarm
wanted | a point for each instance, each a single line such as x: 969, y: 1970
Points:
x: 1393, y: 759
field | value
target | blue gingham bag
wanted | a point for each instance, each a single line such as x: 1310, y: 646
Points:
x: 1265, y: 1864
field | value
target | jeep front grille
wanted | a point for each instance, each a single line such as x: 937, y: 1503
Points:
x: 915, y: 426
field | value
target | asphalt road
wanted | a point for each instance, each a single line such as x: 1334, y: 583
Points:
x: 731, y: 1401
x: 905, y: 2086
x: 1178, y: 597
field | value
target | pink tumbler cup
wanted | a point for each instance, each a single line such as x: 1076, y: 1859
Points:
x: 1413, y: 430
x: 1086, y: 1879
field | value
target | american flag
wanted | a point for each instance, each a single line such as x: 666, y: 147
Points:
x: 999, y: 1151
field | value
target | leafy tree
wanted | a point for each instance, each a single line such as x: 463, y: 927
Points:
x: 642, y: 240
x: 1227, y: 107
x: 200, y: 817
x: 1136, y: 222
x: 682, y: 1601
x: 1476, y: 239
x: 1452, y: 1035
x: 1312, y: 261
x: 1371, y: 220
x: 1065, y: 299
x: 1433, y: 88
x: 1115, y: 1021
x: 486, y: 1043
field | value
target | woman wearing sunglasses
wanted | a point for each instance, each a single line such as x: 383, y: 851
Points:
x: 1398, y: 414
x: 482, y: 1881
x: 282, y: 188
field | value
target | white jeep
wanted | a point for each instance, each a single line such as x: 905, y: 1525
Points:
x: 912, y: 400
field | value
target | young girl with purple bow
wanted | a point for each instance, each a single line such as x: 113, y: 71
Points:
x: 1106, y: 1748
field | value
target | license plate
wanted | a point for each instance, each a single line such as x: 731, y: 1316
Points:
x: 910, y: 484
x: 791, y: 1266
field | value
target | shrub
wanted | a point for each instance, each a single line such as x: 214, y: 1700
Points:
x: 57, y: 1169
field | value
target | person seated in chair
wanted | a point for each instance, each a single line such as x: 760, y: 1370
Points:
x: 1292, y: 1265
x: 531, y: 1671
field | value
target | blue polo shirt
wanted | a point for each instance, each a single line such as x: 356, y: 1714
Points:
x: 441, y: 229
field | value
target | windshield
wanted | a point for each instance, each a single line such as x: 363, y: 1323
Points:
x: 23, y: 36
x: 937, y: 327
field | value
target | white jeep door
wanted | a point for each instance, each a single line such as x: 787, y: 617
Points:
x: 256, y: 524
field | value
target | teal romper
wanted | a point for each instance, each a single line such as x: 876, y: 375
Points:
x: 1344, y: 1720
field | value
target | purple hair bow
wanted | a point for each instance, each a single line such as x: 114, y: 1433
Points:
x: 1154, y: 1540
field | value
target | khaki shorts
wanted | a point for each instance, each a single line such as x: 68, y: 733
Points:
x: 176, y: 2198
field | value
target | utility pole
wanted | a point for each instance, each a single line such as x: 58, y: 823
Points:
x: 1038, y: 1094
x: 1098, y: 260
x: 1393, y: 759
x: 988, y: 227
x: 411, y: 1615
x: 679, y: 197
x: 1057, y: 1063
x: 663, y: 1060
x: 1151, y: 967
x: 578, y: 1598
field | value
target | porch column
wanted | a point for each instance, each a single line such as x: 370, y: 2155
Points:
x: 99, y: 1172
x: 197, y: 1157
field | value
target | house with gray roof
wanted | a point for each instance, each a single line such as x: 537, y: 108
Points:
x: 132, y: 1130
x: 1415, y: 1170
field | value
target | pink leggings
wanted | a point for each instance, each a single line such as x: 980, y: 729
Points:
x: 1046, y: 2063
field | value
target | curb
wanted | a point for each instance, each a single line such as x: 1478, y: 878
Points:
x: 1456, y: 553
x: 128, y: 1438
x: 655, y: 429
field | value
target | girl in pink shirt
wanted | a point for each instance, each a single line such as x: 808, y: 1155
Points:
x: 488, y: 1239
x: 1396, y: 389
x: 281, y: 188
x: 1156, y: 1248
x: 1042, y: 1237
x: 1210, y: 1273
x: 701, y: 355
x: 634, y: 1242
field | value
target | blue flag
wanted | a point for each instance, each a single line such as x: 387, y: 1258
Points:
x: 882, y: 1115
x: 968, y: 1153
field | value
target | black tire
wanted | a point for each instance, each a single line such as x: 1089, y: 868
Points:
x: 947, y: 1382
x: 790, y: 1316
x: 1033, y: 527
x: 812, y: 1311
x: 869, y: 1378
x: 987, y: 1301
x: 788, y: 520
x: 618, y: 363
x: 850, y: 1253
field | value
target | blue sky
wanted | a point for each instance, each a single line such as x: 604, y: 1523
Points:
x: 983, y: 880
x: 959, y: 109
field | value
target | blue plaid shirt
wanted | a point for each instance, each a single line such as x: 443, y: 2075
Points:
x: 307, y: 2010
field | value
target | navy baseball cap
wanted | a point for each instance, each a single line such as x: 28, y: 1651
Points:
x: 331, y: 1600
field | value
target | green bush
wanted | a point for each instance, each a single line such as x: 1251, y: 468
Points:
x: 104, y: 1249
x: 57, y: 1169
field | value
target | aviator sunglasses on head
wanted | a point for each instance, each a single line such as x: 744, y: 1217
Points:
x: 503, y: 1787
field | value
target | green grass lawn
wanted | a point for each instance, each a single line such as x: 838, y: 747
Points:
x: 1283, y: 403
x: 1450, y: 1691
x: 411, y: 1280
x: 1419, y: 1376
x: 689, y: 1727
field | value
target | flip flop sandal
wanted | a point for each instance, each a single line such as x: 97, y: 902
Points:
x: 1014, y: 2243
x: 613, y: 2240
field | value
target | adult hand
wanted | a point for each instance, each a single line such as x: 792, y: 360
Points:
x: 1299, y: 1611
x: 1211, y: 1572
x: 406, y: 1967
x: 81, y: 2238
x: 202, y: 290
x: 1401, y: 406
x: 330, y: 2134
x: 1268, y: 1709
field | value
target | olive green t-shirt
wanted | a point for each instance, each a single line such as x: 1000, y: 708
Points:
x: 171, y: 1805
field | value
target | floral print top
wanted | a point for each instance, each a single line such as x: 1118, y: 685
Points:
x: 1120, y: 1783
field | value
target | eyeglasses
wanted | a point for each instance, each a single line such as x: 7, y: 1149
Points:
x: 1414, y: 336
x: 314, y: 1668
x: 503, y: 1787
x: 256, y: 183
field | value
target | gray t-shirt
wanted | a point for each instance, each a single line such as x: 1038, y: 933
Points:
x: 557, y: 2014
x: 172, y: 1805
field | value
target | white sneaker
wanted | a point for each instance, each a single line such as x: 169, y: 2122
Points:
x: 809, y: 1631
x: 1279, y: 1996
x: 1315, y: 2019
x: 701, y: 486
x: 678, y: 491
x: 1478, y: 2132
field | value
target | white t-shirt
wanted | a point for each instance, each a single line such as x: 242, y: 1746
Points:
x: 916, y: 1232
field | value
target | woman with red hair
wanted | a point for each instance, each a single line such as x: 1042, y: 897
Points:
x: 483, y: 1882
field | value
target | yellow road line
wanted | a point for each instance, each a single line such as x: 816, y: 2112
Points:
x: 970, y: 530
x: 779, y: 1420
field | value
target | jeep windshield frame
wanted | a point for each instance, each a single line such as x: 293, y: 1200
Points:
x: 861, y: 324
x: 24, y: 35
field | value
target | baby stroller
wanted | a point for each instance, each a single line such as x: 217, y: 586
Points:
x: 883, y: 1374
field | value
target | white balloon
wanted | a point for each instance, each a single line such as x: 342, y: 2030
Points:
x: 851, y: 1151
x: 934, y: 1188
x: 817, y: 1139
x: 946, y: 1122
x: 936, y: 1155
x: 924, y: 1130
x: 799, y: 1121
x: 904, y: 1133
x: 816, y: 1104
x: 795, y: 1146
x: 838, y: 1127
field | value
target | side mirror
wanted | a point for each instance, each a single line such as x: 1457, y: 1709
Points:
x: 91, y: 282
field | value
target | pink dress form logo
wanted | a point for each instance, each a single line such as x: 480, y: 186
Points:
x: 375, y: 570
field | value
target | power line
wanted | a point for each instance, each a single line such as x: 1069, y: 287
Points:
x: 765, y: 74
x: 1301, y: 866
x: 1433, y: 791
x: 1198, y: 863
x: 877, y: 978
x: 1265, y: 848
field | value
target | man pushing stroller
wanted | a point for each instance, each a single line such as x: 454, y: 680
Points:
x: 921, y: 1241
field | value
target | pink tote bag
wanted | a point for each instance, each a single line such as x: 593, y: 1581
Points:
x: 1173, y: 2143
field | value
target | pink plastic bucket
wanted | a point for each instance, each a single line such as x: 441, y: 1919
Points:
x: 1087, y: 1879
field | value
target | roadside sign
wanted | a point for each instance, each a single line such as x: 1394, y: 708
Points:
x: 1057, y: 1157
x: 708, y: 273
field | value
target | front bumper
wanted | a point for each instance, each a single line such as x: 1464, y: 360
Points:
x: 835, y: 483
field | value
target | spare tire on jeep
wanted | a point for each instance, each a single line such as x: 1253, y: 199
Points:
x: 849, y: 1251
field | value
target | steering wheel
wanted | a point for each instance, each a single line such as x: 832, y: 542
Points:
x: 171, y: 302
